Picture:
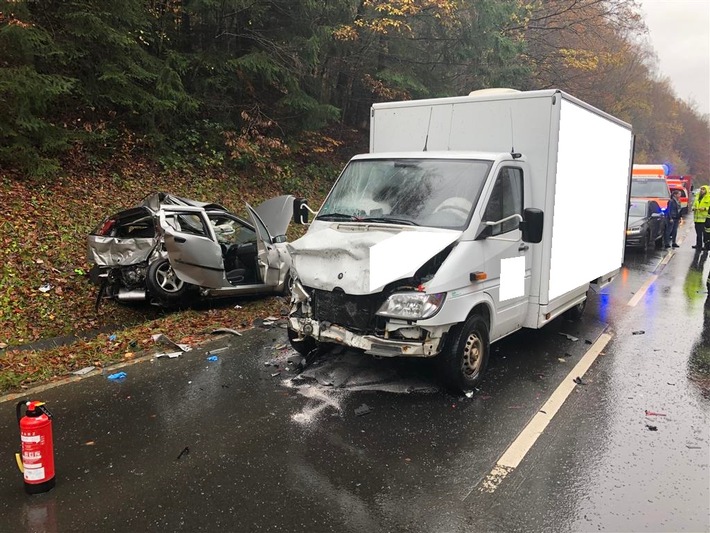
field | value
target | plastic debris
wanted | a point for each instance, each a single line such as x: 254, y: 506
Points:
x: 212, y: 358
x: 275, y: 374
x: 651, y: 413
x: 587, y: 341
x: 280, y: 347
x: 45, y: 288
x: 185, y: 451
x: 117, y: 376
x: 83, y: 371
x: 469, y: 394
x: 562, y: 359
x: 570, y: 337
x: 112, y: 337
x: 3, y: 345
x: 652, y: 428
x: 237, y: 306
x: 226, y: 330
x: 638, y: 332
x: 171, y: 355
x: 579, y: 381
x: 364, y: 409
x: 163, y: 339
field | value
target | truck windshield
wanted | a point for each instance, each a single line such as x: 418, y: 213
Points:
x: 649, y: 188
x: 423, y: 192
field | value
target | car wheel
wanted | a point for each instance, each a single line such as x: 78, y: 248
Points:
x: 465, y: 356
x: 163, y: 283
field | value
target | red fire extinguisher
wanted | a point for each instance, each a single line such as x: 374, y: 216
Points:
x: 37, y: 459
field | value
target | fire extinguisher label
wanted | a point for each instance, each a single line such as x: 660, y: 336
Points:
x: 34, y: 473
x: 30, y: 438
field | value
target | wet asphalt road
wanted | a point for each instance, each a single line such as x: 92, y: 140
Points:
x: 357, y: 444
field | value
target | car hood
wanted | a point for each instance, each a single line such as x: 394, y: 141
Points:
x: 362, y: 260
x: 276, y: 213
x: 635, y: 221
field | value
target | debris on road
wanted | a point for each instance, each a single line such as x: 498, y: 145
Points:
x: 587, y: 341
x: 164, y: 339
x: 45, y: 288
x: 638, y: 332
x: 570, y: 337
x: 562, y: 359
x: 275, y: 374
x: 171, y: 355
x: 112, y: 337
x: 651, y: 413
x: 185, y: 451
x: 117, y: 376
x: 212, y: 358
x: 226, y: 330
x: 469, y: 394
x: 83, y: 371
x: 363, y: 410
x: 579, y: 381
x: 652, y: 428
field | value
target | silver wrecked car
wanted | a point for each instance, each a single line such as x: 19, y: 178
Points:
x: 169, y: 250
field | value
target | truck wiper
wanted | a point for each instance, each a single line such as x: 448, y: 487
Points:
x: 389, y: 220
x: 337, y: 216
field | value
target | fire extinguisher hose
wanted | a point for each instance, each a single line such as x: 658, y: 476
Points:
x: 19, y: 462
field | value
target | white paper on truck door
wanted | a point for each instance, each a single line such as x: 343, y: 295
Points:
x: 512, y: 278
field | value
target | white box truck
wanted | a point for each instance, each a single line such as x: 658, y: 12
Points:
x: 471, y: 217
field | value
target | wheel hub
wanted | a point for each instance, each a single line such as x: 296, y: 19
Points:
x: 471, y: 360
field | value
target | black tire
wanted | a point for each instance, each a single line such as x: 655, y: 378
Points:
x: 463, y: 361
x: 163, y: 284
x: 303, y: 346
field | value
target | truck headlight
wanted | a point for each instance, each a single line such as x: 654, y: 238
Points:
x: 633, y: 231
x: 411, y: 305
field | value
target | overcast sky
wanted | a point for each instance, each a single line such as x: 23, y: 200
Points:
x: 679, y: 31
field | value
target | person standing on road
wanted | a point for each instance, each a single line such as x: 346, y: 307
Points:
x: 701, y: 205
x: 673, y: 212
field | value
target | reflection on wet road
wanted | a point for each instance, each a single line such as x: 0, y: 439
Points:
x: 358, y: 444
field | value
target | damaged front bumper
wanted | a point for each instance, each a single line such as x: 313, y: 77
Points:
x: 371, y: 344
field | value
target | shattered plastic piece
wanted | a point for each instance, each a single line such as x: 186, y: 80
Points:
x: 83, y: 371
x: 267, y: 323
x: 651, y: 413
x: 45, y: 288
x: 272, y: 318
x: 652, y: 428
x: 112, y: 337
x: 579, y: 381
x: 171, y: 355
x: 562, y: 359
x: 364, y: 409
x: 275, y: 374
x: 469, y: 394
x: 185, y: 451
x: 117, y: 376
x: 638, y: 332
x: 163, y: 339
x: 570, y: 337
x: 280, y: 347
x: 212, y: 358
x: 587, y: 341
x: 237, y: 306
x: 226, y: 330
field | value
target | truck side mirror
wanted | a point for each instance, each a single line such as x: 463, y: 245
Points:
x: 531, y: 225
x: 300, y: 211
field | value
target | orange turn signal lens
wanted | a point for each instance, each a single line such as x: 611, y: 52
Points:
x: 478, y: 276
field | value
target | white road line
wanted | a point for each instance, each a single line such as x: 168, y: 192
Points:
x: 515, y: 453
x: 642, y: 291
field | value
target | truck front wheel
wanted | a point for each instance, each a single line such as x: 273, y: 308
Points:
x: 465, y: 356
x: 303, y: 345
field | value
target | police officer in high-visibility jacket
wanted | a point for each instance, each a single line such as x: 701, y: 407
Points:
x: 701, y: 208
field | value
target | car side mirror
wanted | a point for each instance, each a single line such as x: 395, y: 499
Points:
x: 532, y: 225
x: 300, y: 211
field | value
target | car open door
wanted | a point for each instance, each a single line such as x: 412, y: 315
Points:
x: 268, y: 255
x: 193, y: 250
x: 276, y: 214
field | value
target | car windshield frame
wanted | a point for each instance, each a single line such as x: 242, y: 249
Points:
x: 430, y: 192
x: 638, y: 209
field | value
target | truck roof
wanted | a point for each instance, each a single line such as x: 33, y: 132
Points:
x: 444, y: 154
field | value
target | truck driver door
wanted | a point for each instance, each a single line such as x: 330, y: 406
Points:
x: 508, y: 259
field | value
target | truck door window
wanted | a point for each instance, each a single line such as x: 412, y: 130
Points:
x: 506, y: 199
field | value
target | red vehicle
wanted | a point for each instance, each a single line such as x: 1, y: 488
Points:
x: 679, y: 185
x: 648, y: 182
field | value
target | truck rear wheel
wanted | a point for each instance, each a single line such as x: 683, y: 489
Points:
x: 465, y: 356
